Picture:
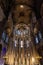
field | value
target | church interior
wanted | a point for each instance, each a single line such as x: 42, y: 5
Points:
x: 21, y: 32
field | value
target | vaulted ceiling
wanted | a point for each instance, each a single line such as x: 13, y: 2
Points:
x: 7, y: 5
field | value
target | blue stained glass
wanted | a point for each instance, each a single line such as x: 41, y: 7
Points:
x: 18, y: 32
x: 6, y: 39
x: 40, y: 36
x: 4, y: 50
x: 3, y: 36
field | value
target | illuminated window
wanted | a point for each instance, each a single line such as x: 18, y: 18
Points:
x: 15, y: 43
x: 40, y: 35
x: 21, y: 43
x: 4, y: 49
x: 21, y: 35
x: 36, y: 40
x: 27, y: 42
x: 5, y: 37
